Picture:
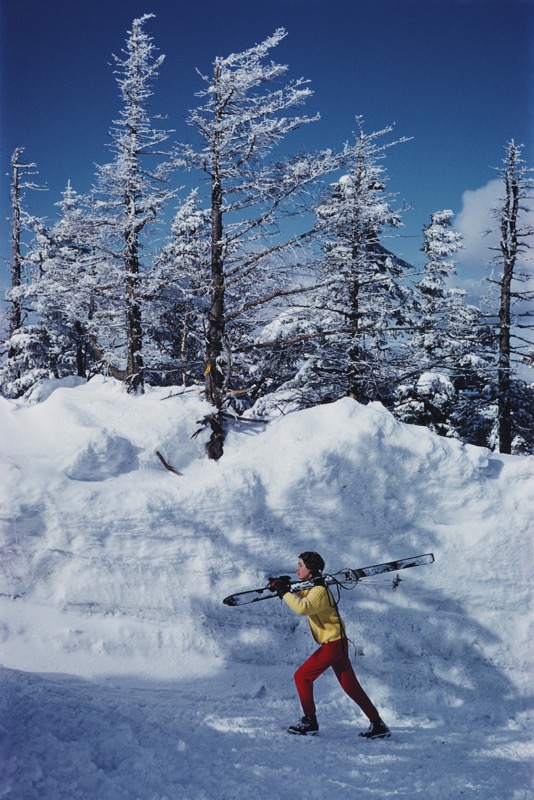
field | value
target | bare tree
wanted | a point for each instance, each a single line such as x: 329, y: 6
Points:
x: 513, y: 325
x: 21, y: 170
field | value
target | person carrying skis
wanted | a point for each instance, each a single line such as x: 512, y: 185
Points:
x: 328, y: 630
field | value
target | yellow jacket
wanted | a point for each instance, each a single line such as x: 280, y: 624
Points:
x: 319, y: 606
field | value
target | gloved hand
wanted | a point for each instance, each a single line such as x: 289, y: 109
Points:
x: 280, y: 585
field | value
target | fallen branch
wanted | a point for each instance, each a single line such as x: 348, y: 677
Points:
x: 166, y: 463
x: 229, y: 417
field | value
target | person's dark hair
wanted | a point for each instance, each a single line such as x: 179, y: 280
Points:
x: 313, y: 561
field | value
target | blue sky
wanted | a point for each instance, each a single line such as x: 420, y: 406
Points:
x: 456, y: 75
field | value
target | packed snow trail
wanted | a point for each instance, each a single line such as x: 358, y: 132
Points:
x: 124, y: 675
x: 113, y: 740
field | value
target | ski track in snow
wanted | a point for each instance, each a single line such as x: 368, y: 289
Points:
x: 124, y: 676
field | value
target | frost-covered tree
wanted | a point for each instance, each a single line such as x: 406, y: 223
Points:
x: 435, y: 344
x: 512, y: 274
x: 132, y: 191
x: 33, y: 348
x: 285, y: 375
x: 26, y: 345
x: 247, y: 112
x: 21, y: 221
x: 176, y: 298
x: 441, y: 242
x: 447, y: 351
x: 344, y: 339
x: 15, y: 320
x: 63, y: 288
x: 362, y: 302
x: 31, y: 360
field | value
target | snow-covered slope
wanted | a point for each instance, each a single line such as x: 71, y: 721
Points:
x: 124, y: 676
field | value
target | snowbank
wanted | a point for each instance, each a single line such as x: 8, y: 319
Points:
x: 132, y: 676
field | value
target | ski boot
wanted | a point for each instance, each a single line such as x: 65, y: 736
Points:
x: 307, y: 726
x: 377, y: 730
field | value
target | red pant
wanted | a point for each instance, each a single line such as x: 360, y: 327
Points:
x: 335, y: 655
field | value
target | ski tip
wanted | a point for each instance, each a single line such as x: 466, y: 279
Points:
x: 229, y: 601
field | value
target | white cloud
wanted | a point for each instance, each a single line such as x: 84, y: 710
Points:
x: 474, y: 220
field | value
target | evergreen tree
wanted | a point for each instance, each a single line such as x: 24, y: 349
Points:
x: 176, y: 297
x: 26, y: 346
x: 33, y: 347
x: 244, y: 116
x: 131, y: 195
x: 435, y: 345
x: 448, y: 350
x: 361, y: 305
x: 63, y: 288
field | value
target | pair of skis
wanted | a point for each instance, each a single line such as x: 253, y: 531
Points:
x: 344, y: 576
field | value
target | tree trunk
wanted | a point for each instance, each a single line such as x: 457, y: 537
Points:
x: 183, y: 345
x: 215, y: 331
x: 134, y: 328
x: 356, y: 369
x: 134, y: 332
x: 509, y: 249
x: 214, y: 377
x: 503, y: 381
x: 15, y: 319
x: 81, y: 351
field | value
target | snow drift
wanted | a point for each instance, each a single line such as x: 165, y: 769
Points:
x: 126, y: 677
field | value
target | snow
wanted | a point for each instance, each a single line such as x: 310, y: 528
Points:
x: 125, y: 677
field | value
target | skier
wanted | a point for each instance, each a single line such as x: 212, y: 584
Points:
x: 328, y: 629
